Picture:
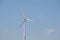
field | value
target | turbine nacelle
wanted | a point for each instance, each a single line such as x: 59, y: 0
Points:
x: 26, y: 19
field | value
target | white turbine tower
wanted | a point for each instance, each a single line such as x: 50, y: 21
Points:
x: 25, y: 30
x: 25, y: 20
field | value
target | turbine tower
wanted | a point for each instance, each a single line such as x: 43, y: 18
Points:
x: 25, y: 20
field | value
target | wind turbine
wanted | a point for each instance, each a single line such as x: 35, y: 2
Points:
x: 25, y: 20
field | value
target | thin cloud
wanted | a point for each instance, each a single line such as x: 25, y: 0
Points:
x: 50, y: 31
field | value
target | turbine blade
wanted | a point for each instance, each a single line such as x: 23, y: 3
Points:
x: 22, y: 12
x: 20, y: 25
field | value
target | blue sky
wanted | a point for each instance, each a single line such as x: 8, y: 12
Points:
x: 44, y: 13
